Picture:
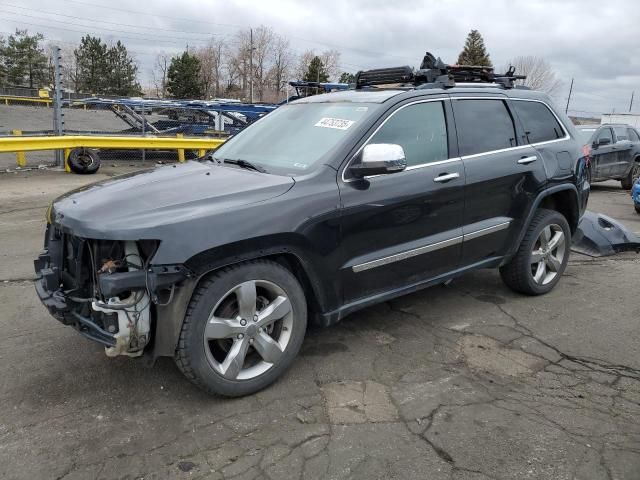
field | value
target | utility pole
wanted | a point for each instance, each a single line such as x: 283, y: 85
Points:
x: 631, y: 102
x: 566, y: 110
x: 251, y: 65
x: 58, y: 116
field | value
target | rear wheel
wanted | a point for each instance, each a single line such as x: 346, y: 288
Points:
x: 637, y: 208
x: 244, y: 326
x: 542, y: 257
x: 634, y: 173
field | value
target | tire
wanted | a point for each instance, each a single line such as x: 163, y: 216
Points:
x: 207, y: 344
x: 637, y: 207
x: 84, y: 161
x: 634, y: 173
x: 522, y: 274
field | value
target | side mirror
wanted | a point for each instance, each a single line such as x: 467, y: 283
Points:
x: 378, y: 159
x: 603, y: 141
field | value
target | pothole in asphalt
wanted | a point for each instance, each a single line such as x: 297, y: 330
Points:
x: 487, y: 354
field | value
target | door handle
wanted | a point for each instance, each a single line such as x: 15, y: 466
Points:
x: 527, y: 160
x: 445, y: 177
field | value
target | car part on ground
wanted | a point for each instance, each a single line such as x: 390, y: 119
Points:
x: 83, y: 161
x: 599, y: 235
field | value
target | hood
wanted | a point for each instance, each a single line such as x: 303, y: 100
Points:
x: 132, y: 206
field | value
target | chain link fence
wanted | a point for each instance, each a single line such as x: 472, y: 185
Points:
x: 119, y: 117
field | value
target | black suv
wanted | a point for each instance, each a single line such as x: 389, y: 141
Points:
x: 614, y: 151
x: 327, y: 205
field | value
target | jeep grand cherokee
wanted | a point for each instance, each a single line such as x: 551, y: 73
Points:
x: 327, y: 205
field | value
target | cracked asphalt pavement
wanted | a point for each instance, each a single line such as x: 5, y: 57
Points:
x: 469, y: 381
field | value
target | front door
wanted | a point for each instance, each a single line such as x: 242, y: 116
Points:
x: 403, y: 228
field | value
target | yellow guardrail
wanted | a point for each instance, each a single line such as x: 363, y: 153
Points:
x: 12, y: 98
x: 21, y: 144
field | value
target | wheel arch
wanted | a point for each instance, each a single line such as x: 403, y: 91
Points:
x: 561, y: 198
x: 288, y: 251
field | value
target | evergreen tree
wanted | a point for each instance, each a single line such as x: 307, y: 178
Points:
x: 347, y: 77
x: 122, y: 74
x: 316, y: 72
x: 25, y: 62
x: 474, y: 52
x: 184, y: 77
x: 92, y: 66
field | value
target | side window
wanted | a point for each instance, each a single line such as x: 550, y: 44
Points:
x: 633, y: 135
x: 621, y: 134
x: 605, y: 133
x: 539, y: 123
x: 483, y: 126
x: 420, y: 129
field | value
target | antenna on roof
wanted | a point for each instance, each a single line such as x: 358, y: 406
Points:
x: 434, y: 73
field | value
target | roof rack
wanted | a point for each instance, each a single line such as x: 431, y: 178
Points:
x: 433, y: 73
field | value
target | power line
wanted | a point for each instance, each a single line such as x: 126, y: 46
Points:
x: 154, y: 38
x: 95, y: 21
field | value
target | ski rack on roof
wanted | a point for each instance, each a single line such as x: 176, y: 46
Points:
x: 433, y: 73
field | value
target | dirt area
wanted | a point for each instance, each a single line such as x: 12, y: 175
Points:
x: 469, y: 381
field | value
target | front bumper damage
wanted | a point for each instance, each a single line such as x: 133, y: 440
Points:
x: 113, y: 308
x: 599, y: 235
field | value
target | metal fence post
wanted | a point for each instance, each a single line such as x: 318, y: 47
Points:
x: 58, y: 116
x: 180, y: 150
x: 143, y: 133
x: 21, y: 158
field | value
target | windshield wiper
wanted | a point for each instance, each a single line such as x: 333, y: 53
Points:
x: 244, y: 164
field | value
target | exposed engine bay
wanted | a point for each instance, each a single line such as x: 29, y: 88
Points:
x: 106, y: 289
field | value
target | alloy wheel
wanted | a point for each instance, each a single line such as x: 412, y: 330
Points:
x: 248, y: 330
x: 548, y: 254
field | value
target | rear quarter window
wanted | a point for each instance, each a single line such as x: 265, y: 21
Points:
x: 539, y: 123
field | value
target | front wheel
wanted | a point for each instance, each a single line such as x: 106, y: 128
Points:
x: 243, y: 328
x: 634, y: 174
x: 542, y: 257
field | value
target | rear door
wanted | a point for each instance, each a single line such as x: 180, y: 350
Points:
x: 403, y: 228
x: 623, y: 152
x: 503, y: 176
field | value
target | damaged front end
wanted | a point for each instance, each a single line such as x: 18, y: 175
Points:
x: 108, y: 290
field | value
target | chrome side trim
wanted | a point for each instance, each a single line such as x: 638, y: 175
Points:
x: 408, y: 254
x: 429, y: 248
x: 485, y: 231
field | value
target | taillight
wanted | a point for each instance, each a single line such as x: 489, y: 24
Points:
x: 586, y: 153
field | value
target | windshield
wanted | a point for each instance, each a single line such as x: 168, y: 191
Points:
x: 586, y: 133
x: 293, y: 138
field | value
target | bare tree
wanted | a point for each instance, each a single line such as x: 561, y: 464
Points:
x: 282, y: 60
x: 330, y: 60
x: 302, y: 66
x: 540, y: 75
x: 211, y: 66
x: 160, y: 68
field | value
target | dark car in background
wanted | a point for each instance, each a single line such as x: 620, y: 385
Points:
x: 614, y: 150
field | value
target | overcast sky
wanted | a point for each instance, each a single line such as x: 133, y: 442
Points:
x: 594, y: 41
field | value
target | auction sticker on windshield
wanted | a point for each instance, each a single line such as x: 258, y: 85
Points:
x: 338, y: 123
